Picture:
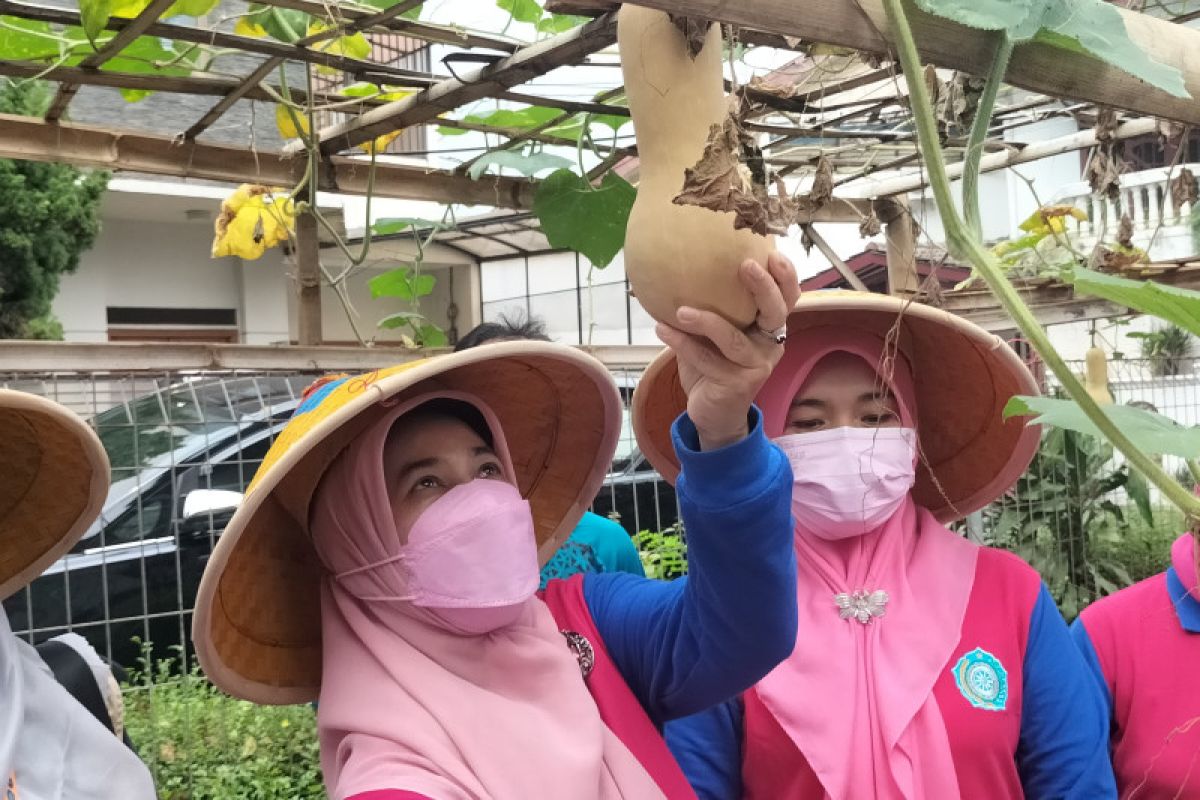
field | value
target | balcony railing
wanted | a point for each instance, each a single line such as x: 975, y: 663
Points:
x: 1158, y: 227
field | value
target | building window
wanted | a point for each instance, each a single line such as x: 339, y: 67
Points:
x: 152, y: 324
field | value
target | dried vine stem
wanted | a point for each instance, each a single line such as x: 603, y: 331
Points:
x: 965, y: 243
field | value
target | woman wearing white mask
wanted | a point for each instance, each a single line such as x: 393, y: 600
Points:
x: 386, y: 560
x: 53, y: 485
x: 925, y: 666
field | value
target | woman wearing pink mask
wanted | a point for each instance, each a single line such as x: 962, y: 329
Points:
x: 926, y: 667
x: 386, y: 559
x: 1142, y: 644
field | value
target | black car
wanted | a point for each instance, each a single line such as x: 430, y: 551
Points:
x: 182, y: 456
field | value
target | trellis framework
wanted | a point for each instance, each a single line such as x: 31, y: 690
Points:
x: 848, y: 108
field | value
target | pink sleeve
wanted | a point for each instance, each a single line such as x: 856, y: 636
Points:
x: 389, y: 794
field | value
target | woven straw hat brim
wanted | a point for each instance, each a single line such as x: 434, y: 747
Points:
x: 257, y: 624
x: 964, y: 376
x: 54, y: 483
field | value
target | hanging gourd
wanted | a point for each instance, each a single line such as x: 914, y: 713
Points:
x: 1096, y: 376
x: 679, y: 254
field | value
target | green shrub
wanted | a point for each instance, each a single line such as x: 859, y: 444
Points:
x: 1143, y: 549
x: 201, y: 744
x: 664, y: 553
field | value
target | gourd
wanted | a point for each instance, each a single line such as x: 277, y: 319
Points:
x: 1096, y: 376
x: 674, y: 254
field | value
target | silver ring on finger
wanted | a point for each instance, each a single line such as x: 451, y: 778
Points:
x: 778, y: 336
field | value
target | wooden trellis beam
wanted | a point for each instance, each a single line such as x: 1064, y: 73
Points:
x: 440, y: 34
x: 862, y: 25
x: 135, y: 28
x: 33, y: 139
x: 271, y: 64
x: 265, y: 47
x: 526, y: 64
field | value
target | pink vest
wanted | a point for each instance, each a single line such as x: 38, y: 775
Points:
x: 1150, y: 665
x: 619, y: 709
x: 983, y: 730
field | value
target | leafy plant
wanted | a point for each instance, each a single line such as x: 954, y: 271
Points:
x: 1063, y: 515
x: 587, y: 219
x: 49, y: 215
x: 1088, y: 26
x: 664, y: 553
x: 1167, y: 349
x: 201, y: 744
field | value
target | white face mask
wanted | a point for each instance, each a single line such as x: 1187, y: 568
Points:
x: 849, y: 481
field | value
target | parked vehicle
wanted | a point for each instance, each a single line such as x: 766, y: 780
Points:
x: 182, y: 456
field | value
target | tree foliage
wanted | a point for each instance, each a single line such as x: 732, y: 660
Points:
x: 49, y: 214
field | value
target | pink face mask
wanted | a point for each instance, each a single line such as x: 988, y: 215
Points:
x: 471, y: 559
x: 849, y: 481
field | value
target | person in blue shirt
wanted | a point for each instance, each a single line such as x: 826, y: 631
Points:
x: 597, y: 544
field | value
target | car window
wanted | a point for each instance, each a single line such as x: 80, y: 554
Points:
x: 149, y: 517
x: 234, y: 474
x: 184, y: 416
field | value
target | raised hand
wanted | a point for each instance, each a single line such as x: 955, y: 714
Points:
x: 722, y: 368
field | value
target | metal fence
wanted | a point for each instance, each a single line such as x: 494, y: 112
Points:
x: 168, y: 435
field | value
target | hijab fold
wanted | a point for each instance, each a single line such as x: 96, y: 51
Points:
x: 857, y: 700
x: 408, y: 704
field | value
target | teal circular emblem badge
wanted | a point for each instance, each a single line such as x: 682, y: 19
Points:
x: 981, y: 679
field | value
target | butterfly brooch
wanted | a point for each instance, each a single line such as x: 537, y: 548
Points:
x: 861, y: 605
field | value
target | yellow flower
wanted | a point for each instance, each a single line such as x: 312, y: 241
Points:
x: 380, y: 143
x: 248, y: 27
x: 251, y: 221
x: 285, y: 121
x: 285, y: 724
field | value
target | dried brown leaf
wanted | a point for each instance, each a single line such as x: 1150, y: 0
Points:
x: 1170, y: 132
x: 1113, y: 261
x: 694, y: 30
x: 784, y: 91
x: 930, y: 292
x: 806, y: 241
x: 720, y: 181
x: 1106, y: 124
x: 1104, y: 173
x: 873, y: 60
x: 1184, y: 189
x: 822, y: 187
x: 1125, y: 231
x: 932, y: 84
x: 870, y: 226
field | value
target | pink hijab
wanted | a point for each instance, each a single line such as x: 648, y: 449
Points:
x: 857, y: 700
x: 406, y: 704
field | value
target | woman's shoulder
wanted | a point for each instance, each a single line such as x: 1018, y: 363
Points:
x: 1007, y: 581
x: 1128, y: 604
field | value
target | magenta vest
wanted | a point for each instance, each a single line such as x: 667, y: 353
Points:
x: 619, y: 709
x: 983, y: 737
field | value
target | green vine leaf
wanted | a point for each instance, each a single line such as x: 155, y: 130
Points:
x: 528, y: 165
x: 1151, y: 432
x: 283, y: 24
x: 559, y: 23
x: 25, y: 40
x: 1094, y: 27
x: 400, y: 319
x: 386, y: 227
x: 94, y: 15
x: 520, y: 120
x: 590, y: 221
x: 1178, y: 306
x: 402, y: 283
x: 432, y: 336
x: 522, y: 10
